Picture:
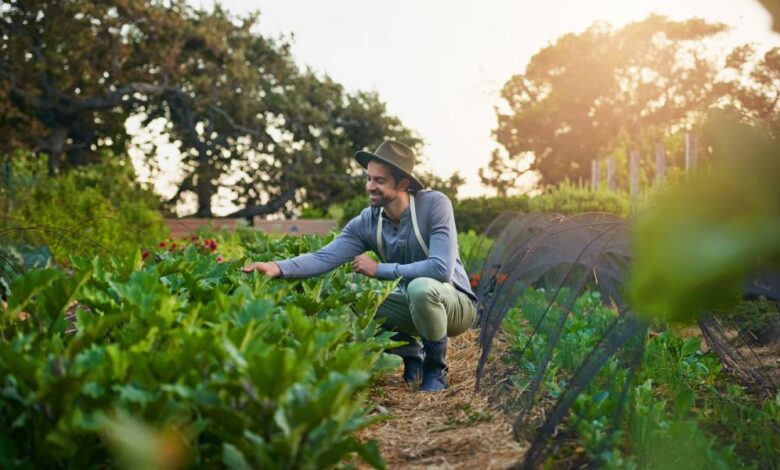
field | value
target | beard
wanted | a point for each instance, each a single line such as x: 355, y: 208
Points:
x: 379, y: 200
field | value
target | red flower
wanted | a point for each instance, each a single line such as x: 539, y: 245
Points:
x: 220, y: 259
x: 163, y: 245
x: 144, y: 255
x: 501, y: 278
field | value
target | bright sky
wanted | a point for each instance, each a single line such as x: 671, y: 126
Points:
x: 439, y: 65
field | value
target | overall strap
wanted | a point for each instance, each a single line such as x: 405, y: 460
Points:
x: 379, y: 236
x: 416, y: 228
x: 414, y: 225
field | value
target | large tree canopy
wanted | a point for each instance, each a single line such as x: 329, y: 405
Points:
x: 71, y: 71
x: 754, y: 86
x: 244, y: 116
x: 588, y: 91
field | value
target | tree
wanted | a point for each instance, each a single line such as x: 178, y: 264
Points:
x: 448, y: 186
x: 325, y: 127
x: 755, y: 91
x: 232, y: 88
x: 72, y: 71
x: 245, y: 118
x: 248, y: 120
x: 589, y: 92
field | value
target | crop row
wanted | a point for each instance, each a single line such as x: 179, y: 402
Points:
x: 180, y: 360
x: 681, y: 409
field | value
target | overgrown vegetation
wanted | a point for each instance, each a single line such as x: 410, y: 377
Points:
x: 88, y: 210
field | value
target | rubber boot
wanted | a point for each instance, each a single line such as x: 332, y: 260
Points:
x: 412, y: 354
x: 434, y: 365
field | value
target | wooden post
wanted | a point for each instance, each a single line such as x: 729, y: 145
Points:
x: 634, y: 174
x: 691, y: 150
x: 660, y: 163
x: 611, y: 183
x: 594, y: 175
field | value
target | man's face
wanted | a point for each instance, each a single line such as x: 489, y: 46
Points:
x: 380, y: 185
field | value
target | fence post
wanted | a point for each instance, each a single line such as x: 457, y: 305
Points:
x: 691, y: 150
x: 594, y: 175
x: 660, y: 163
x: 611, y: 183
x: 634, y: 174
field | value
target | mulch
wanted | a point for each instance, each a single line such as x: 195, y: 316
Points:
x: 458, y: 428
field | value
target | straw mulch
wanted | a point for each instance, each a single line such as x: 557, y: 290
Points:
x: 457, y: 428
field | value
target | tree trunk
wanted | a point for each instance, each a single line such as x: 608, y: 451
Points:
x: 204, y: 189
x: 53, y: 145
x: 79, y: 152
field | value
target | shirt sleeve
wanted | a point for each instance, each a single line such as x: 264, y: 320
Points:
x: 442, y: 250
x: 343, y: 248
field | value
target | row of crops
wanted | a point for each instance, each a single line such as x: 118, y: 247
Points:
x: 179, y: 360
x: 681, y: 410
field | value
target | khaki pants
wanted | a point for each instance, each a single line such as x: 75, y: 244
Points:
x: 428, y: 308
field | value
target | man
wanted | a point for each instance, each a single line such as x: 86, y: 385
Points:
x: 412, y: 231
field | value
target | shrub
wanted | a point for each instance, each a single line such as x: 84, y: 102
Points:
x: 348, y: 210
x: 87, y: 210
x: 568, y: 199
x: 477, y: 213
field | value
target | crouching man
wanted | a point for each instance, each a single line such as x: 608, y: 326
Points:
x: 412, y: 231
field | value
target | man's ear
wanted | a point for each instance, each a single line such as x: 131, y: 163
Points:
x: 403, y: 185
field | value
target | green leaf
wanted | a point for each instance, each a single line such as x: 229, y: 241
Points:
x: 234, y: 354
x: 370, y: 452
x: 24, y: 289
x: 281, y: 420
x: 133, y: 394
x: 233, y: 458
x: 691, y: 346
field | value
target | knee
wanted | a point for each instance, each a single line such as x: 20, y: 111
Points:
x: 422, y: 289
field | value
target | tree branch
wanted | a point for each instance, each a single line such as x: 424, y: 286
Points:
x: 270, y: 208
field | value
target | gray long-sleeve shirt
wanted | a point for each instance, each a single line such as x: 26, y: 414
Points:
x: 405, y: 257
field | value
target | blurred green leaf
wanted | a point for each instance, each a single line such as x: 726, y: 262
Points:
x: 699, y: 243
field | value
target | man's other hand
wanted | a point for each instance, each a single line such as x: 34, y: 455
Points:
x: 365, y: 265
x: 269, y: 269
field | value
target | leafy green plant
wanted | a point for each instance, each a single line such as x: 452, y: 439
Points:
x: 18, y: 258
x: 683, y: 394
x: 236, y: 370
x: 698, y: 244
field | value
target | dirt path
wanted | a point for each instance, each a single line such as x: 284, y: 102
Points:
x: 453, y: 429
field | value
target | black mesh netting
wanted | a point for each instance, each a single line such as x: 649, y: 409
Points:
x: 564, y: 257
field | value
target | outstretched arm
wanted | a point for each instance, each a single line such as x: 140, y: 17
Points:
x: 342, y: 249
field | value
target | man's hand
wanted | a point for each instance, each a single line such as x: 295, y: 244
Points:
x: 269, y: 269
x: 365, y: 265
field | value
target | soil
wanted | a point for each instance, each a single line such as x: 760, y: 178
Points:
x: 457, y: 428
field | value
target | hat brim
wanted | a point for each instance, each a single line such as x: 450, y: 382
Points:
x: 364, y: 157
